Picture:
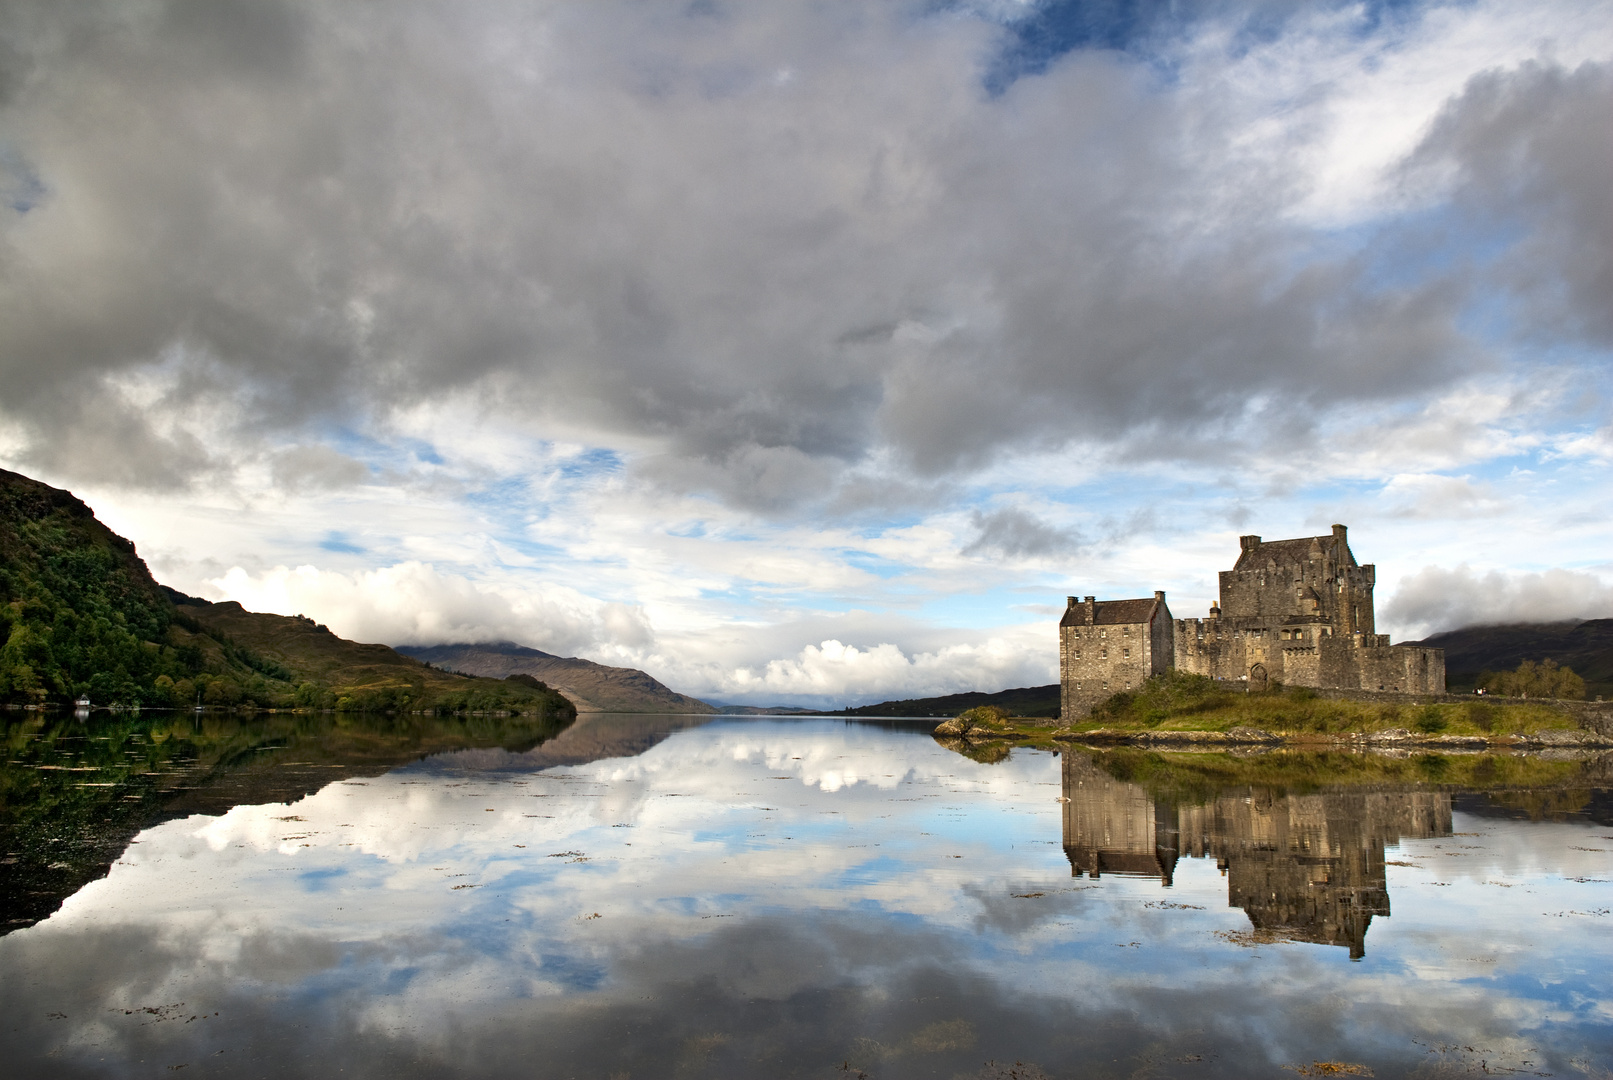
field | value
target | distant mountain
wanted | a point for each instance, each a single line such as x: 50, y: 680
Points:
x: 1586, y: 646
x: 592, y: 687
x: 81, y: 615
x: 766, y: 710
x: 1024, y: 701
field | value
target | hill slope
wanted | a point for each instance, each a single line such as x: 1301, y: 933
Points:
x: 1023, y: 701
x: 80, y: 614
x: 79, y: 611
x: 1586, y: 646
x: 331, y: 671
x: 592, y: 687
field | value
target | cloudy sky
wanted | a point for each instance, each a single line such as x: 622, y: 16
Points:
x: 813, y: 352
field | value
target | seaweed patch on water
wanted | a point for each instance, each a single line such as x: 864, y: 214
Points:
x: 1330, y: 1068
x: 1253, y: 939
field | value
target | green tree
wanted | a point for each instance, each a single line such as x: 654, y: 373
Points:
x: 223, y: 691
x: 1546, y: 679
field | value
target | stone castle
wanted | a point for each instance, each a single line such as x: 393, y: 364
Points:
x: 1296, y: 612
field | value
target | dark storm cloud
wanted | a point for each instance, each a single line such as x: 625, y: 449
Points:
x: 1013, y: 533
x: 775, y: 240
x: 1532, y: 155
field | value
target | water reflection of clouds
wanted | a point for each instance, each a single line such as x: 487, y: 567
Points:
x: 448, y: 908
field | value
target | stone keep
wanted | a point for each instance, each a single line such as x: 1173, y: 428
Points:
x: 1300, y: 612
x: 1297, y: 612
x: 1109, y: 646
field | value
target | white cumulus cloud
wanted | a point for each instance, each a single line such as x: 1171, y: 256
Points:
x: 411, y: 603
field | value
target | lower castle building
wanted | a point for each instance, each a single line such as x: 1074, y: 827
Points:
x: 1297, y: 612
x: 1109, y: 646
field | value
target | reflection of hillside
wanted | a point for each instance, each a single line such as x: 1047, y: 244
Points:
x: 75, y: 792
x: 1308, y: 867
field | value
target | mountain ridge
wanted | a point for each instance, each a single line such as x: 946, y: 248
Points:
x: 1021, y: 701
x: 591, y: 686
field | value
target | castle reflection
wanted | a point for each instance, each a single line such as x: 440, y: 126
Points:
x: 1304, y: 867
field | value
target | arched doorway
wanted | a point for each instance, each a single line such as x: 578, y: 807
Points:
x: 1258, y: 679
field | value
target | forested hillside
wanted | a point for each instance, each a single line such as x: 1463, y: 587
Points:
x: 81, y: 616
x: 79, y: 612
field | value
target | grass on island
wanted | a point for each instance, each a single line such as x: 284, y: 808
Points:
x: 1179, y: 701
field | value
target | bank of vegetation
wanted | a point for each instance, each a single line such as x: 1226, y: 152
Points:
x: 73, y: 793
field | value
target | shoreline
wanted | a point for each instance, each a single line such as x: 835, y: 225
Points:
x: 1029, y: 731
x: 1395, y: 738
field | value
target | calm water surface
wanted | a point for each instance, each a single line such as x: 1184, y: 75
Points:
x: 666, y: 896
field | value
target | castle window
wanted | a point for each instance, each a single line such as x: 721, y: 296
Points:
x: 1103, y: 633
x: 1103, y: 654
x: 1125, y: 652
x: 1078, y: 654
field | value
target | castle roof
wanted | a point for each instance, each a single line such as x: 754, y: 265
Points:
x: 1296, y: 550
x: 1111, y: 613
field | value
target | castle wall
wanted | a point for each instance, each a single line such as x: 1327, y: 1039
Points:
x: 1309, y: 655
x: 1406, y: 669
x: 1161, y: 642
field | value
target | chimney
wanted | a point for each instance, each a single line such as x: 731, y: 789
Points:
x: 1070, y: 601
x: 1339, y: 532
x: 1159, y: 595
x: 1092, y: 610
x: 1215, y: 609
x: 1249, y: 542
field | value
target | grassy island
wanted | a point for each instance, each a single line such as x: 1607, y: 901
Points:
x: 1182, y: 708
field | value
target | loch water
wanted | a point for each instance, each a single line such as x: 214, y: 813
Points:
x: 641, y: 897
